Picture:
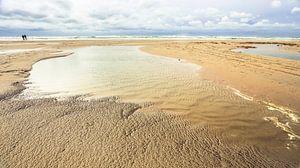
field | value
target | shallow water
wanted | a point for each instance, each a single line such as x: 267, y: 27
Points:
x: 270, y: 50
x: 172, y: 85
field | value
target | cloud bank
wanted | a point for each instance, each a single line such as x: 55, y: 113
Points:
x: 295, y: 10
x: 276, y: 3
x: 99, y: 17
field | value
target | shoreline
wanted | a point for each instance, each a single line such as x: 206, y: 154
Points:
x: 259, y: 79
x: 259, y: 85
x: 22, y: 120
x: 15, y: 85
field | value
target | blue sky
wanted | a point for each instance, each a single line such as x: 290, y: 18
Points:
x: 150, y: 17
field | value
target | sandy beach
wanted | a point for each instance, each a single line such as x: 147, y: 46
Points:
x: 105, y: 133
x: 265, y: 78
x: 110, y: 133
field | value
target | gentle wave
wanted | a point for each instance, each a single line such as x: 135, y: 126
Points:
x: 18, y: 38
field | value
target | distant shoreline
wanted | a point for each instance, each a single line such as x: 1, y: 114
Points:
x: 150, y: 37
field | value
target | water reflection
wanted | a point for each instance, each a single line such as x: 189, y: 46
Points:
x: 270, y: 50
x: 170, y: 84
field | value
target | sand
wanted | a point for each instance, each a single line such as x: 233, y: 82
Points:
x: 266, y: 78
x: 269, y: 79
x: 105, y: 133
x: 108, y: 133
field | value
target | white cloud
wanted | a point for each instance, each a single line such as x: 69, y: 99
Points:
x: 276, y: 3
x: 242, y: 17
x: 102, y: 17
x: 295, y: 10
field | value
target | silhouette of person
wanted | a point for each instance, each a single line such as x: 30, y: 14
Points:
x: 24, y: 37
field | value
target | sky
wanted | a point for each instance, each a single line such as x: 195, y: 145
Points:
x: 150, y: 17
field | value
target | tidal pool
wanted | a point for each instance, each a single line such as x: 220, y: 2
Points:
x: 270, y: 50
x: 170, y: 84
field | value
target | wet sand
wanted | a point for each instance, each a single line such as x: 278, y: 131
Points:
x: 107, y: 133
x: 265, y: 78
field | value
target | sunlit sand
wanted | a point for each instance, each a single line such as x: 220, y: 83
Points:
x: 135, y: 103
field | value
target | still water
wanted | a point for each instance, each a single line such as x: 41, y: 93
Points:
x: 171, y: 85
x: 270, y: 50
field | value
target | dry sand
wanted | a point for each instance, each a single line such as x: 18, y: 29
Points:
x: 106, y: 133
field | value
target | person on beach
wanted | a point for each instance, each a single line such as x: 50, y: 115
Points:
x: 24, y: 37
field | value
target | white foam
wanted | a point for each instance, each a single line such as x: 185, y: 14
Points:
x: 284, y: 110
x: 284, y: 127
x: 242, y: 95
x: 291, y: 114
x: 145, y: 37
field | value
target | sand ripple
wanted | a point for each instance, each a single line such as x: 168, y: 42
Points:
x: 104, y: 133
